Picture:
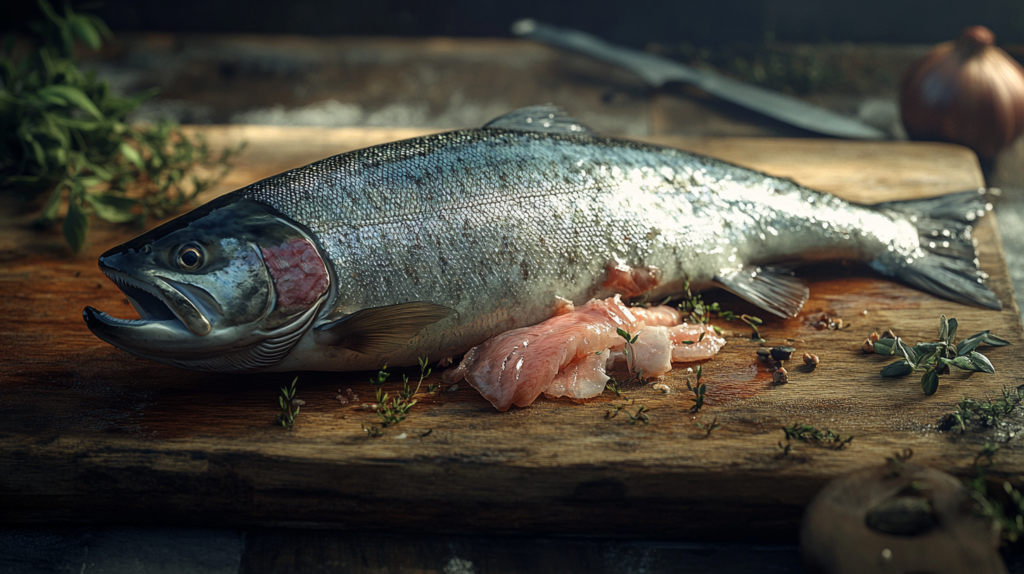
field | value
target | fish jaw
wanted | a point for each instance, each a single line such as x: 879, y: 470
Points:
x: 167, y: 315
x: 142, y: 337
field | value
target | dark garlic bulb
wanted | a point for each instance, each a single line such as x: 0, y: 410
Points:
x: 966, y: 91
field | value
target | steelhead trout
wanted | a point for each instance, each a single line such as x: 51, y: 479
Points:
x: 429, y: 246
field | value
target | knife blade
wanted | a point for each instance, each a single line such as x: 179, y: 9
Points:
x: 657, y: 71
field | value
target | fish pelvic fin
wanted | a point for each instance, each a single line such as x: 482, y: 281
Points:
x: 948, y: 265
x: 544, y: 118
x: 379, y: 330
x: 773, y: 289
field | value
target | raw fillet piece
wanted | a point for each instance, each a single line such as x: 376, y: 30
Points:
x: 515, y: 367
x: 653, y: 348
x: 698, y: 351
x: 583, y: 378
x: 653, y: 352
x: 658, y: 347
x: 660, y: 316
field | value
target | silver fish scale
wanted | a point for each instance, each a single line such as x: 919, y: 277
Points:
x: 495, y: 223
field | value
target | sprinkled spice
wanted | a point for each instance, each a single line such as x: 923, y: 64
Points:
x: 780, y: 377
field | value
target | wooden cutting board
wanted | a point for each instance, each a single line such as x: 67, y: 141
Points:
x: 91, y: 434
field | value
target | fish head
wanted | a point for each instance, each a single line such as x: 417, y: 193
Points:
x: 231, y: 286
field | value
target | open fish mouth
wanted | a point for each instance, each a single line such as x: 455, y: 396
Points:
x: 163, y: 310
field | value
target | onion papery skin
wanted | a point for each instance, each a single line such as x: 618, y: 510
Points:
x: 966, y: 91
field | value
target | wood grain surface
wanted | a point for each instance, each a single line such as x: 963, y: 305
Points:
x: 91, y: 434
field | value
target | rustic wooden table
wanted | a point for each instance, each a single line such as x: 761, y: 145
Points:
x: 90, y: 434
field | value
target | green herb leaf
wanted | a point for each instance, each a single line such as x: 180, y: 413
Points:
x: 85, y: 31
x: 971, y: 343
x: 993, y: 341
x: 132, y: 155
x: 49, y: 213
x: 930, y: 382
x: 923, y: 349
x: 75, y: 96
x: 982, y: 363
x: 962, y: 363
x: 943, y: 327
x: 885, y: 346
x: 76, y: 225
x: 951, y: 335
x: 113, y: 208
x: 898, y: 369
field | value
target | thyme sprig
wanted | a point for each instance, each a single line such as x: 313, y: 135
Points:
x: 640, y: 418
x: 287, y: 400
x: 936, y: 358
x: 700, y: 312
x: 810, y: 434
x: 698, y: 389
x: 1007, y: 510
x: 708, y: 429
x: 393, y: 409
x: 898, y: 460
x: 615, y: 386
x: 985, y: 414
x: 63, y: 133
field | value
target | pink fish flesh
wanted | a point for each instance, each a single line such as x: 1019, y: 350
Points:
x: 569, y: 354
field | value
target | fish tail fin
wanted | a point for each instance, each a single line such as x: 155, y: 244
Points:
x: 949, y: 267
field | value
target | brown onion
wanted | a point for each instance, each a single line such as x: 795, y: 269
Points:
x: 966, y: 91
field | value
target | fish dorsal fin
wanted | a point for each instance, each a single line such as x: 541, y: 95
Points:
x: 546, y: 118
x: 773, y: 289
x: 380, y: 329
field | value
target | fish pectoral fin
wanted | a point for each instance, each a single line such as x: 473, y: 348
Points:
x: 380, y: 329
x: 545, y: 118
x: 773, y: 289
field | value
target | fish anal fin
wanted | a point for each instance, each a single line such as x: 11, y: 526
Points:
x: 773, y: 289
x: 545, y: 118
x: 380, y: 330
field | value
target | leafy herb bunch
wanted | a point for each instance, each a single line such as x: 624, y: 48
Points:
x: 936, y: 358
x: 63, y: 132
x: 984, y: 414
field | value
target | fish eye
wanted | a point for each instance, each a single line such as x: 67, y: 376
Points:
x: 190, y: 257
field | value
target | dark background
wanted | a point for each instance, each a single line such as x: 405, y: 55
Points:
x: 635, y: 23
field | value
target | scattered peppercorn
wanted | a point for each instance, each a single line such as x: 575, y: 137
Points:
x: 811, y: 360
x: 782, y: 352
x: 868, y: 347
x: 780, y: 377
x: 825, y: 321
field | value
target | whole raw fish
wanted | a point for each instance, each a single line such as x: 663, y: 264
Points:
x: 428, y: 246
